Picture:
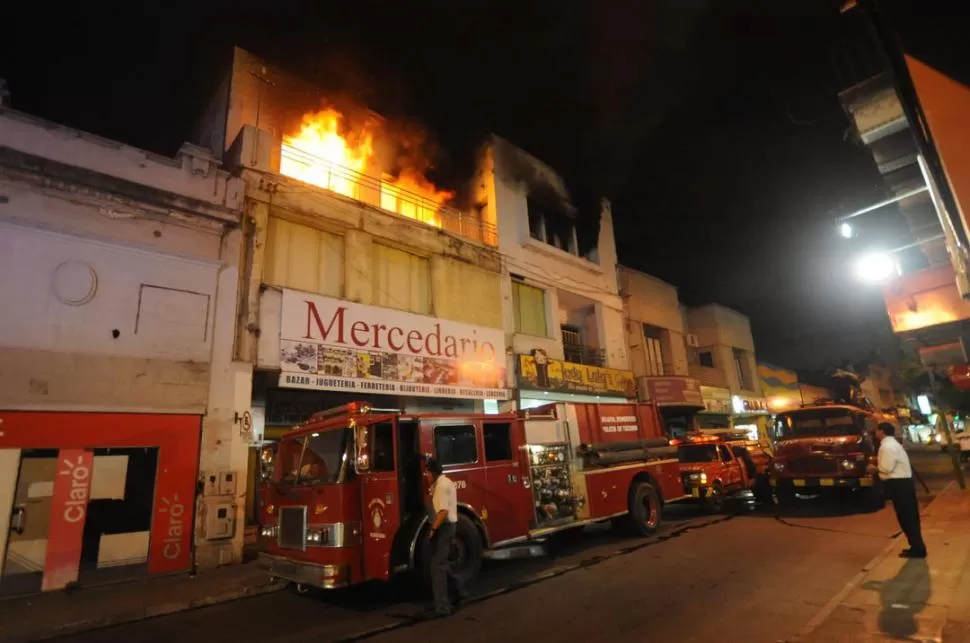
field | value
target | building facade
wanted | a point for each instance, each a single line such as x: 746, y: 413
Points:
x: 658, y: 341
x: 356, y: 288
x: 724, y: 362
x: 562, y: 311
x: 121, y: 449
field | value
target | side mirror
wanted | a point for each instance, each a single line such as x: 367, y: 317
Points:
x: 361, y: 449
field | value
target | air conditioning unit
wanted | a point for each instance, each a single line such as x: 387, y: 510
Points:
x: 692, y: 340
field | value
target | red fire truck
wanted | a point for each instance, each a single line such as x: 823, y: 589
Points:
x: 342, y: 498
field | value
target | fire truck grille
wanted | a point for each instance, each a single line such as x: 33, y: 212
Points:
x: 292, y: 534
x: 816, y: 464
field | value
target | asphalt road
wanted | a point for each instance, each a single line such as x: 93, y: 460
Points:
x: 758, y: 575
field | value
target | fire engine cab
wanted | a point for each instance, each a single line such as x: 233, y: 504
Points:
x: 716, y: 468
x: 343, y: 502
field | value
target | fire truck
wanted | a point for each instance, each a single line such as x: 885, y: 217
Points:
x: 343, y: 502
x: 717, y: 468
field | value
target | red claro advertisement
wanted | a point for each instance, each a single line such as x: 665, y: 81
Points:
x: 69, y: 508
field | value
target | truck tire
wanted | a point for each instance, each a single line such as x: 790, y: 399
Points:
x: 715, y: 502
x: 646, y: 512
x: 467, y: 553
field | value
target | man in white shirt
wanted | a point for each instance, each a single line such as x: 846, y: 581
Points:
x: 896, y: 474
x: 444, y: 499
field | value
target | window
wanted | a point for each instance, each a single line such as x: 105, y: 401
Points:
x: 498, y: 442
x: 303, y: 258
x: 401, y: 280
x: 706, y: 358
x: 653, y: 350
x: 529, y: 304
x: 455, y: 444
x: 537, y: 226
x: 382, y: 453
x: 741, y: 369
x: 724, y: 453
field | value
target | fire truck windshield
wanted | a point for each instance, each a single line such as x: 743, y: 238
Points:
x: 314, y: 458
x: 697, y: 453
x: 816, y: 422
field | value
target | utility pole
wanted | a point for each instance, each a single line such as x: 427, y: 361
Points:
x: 951, y: 446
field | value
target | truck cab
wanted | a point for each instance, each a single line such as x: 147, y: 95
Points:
x: 717, y: 468
x: 824, y: 447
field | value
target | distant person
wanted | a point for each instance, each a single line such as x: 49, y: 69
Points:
x: 896, y: 474
x: 444, y: 499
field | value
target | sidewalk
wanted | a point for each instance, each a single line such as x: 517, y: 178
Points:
x: 895, y: 599
x: 45, y: 616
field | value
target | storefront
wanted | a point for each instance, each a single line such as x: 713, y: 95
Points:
x: 331, y: 351
x: 542, y: 380
x: 724, y: 410
x: 89, y: 498
x: 678, y: 400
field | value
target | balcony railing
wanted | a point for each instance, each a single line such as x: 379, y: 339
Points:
x: 708, y: 376
x: 309, y: 168
x: 580, y: 354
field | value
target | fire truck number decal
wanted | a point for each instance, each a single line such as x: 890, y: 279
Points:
x: 376, y: 507
x: 460, y: 484
x: 619, y: 424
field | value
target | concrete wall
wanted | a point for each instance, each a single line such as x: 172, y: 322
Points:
x: 721, y: 330
x: 123, y: 269
x: 651, y: 301
x: 504, y: 176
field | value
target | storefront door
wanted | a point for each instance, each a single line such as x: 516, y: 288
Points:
x: 26, y: 493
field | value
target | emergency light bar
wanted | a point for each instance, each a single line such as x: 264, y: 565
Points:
x: 346, y: 409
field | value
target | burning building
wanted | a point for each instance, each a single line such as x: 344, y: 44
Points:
x: 363, y: 280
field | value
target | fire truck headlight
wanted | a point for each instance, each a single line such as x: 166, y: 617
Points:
x: 268, y: 531
x: 700, y: 477
x: 314, y: 537
x: 779, y: 466
x: 848, y: 465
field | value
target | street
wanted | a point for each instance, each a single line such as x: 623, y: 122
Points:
x: 749, y: 576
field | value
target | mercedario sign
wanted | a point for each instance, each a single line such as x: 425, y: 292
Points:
x: 336, y: 345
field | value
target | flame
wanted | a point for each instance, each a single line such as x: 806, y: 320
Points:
x: 324, y: 153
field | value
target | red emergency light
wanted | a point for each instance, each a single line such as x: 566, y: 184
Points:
x: 346, y: 409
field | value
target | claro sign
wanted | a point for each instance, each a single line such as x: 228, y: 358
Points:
x: 332, y: 344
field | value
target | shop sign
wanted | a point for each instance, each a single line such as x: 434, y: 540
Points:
x: 749, y: 405
x: 330, y: 344
x: 69, y: 508
x: 538, y: 372
x: 674, y: 391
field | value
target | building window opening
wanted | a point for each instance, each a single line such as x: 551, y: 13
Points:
x: 529, y: 304
x: 741, y: 369
x: 706, y: 358
x: 653, y: 350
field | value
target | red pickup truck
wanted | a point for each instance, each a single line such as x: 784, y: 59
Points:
x: 717, y: 468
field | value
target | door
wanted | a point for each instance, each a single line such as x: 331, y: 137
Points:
x: 26, y: 498
x: 381, y: 500
x: 458, y: 448
x: 731, y: 471
x: 508, y: 506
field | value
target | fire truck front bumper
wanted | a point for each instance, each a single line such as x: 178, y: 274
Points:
x: 298, y: 571
x: 814, y: 483
x: 699, y: 492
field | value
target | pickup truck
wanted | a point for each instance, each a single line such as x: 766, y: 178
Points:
x: 716, y: 469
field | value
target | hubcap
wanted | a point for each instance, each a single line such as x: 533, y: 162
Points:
x: 651, y: 512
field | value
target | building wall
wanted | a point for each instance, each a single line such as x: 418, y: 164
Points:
x: 123, y: 265
x: 651, y: 301
x: 720, y: 331
x: 503, y: 181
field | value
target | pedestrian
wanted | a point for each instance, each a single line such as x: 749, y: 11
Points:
x: 444, y: 500
x: 896, y: 473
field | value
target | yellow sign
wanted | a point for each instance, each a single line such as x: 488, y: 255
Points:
x: 544, y: 374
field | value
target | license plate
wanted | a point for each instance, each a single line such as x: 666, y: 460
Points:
x: 865, y: 482
x: 695, y: 492
x: 827, y: 482
x: 798, y: 483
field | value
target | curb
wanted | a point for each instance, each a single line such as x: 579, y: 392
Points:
x: 856, y: 580
x: 144, y: 613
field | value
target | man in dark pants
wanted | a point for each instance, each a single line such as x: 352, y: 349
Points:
x: 896, y: 474
x: 444, y: 499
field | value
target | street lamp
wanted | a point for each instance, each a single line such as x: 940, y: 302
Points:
x: 845, y: 229
x: 875, y: 267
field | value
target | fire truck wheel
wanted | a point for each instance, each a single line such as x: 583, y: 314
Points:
x: 467, y: 552
x: 715, y: 501
x: 645, y: 510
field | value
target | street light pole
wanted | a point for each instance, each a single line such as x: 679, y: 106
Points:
x: 950, y: 443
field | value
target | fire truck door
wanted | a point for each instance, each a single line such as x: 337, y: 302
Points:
x: 381, y: 499
x: 508, y: 508
x: 731, y: 467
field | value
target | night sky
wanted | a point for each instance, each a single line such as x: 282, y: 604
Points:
x: 714, y: 126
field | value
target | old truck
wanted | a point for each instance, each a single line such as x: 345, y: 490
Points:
x: 718, y: 468
x: 825, y: 447
x: 342, y: 499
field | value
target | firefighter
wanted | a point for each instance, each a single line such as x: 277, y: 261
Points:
x: 444, y: 499
x: 897, y: 477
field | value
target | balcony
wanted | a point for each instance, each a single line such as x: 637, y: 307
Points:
x: 580, y: 354
x: 708, y: 376
x: 385, y: 194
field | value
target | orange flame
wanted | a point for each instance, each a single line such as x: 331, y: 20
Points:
x: 325, y: 154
